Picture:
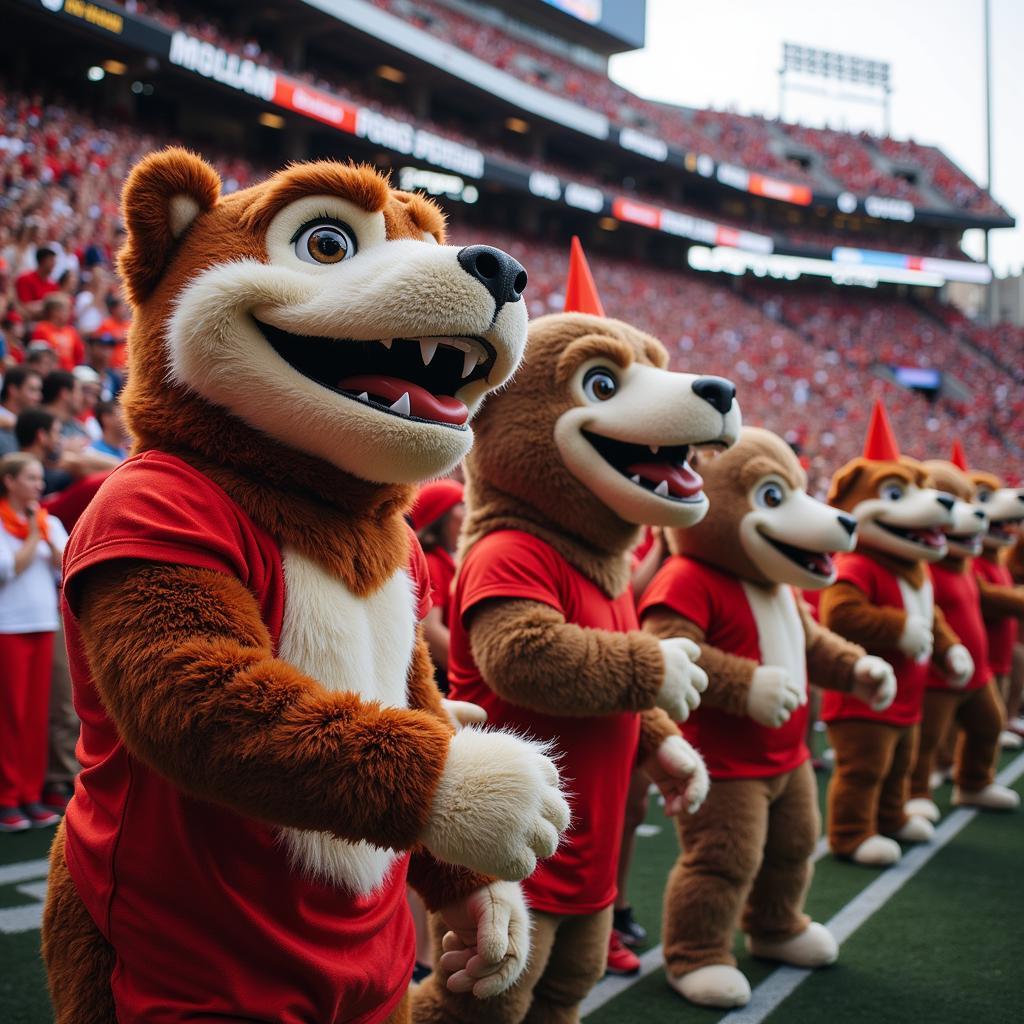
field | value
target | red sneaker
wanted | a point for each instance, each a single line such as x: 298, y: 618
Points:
x: 12, y: 820
x: 40, y: 816
x: 620, y: 959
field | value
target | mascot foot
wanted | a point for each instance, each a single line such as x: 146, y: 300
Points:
x: 1010, y: 740
x: 877, y: 852
x: 915, y: 830
x: 992, y: 798
x: 939, y: 777
x: 815, y: 946
x: 922, y: 807
x: 715, y: 985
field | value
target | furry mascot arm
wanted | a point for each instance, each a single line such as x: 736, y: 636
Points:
x: 831, y: 659
x: 729, y: 675
x: 845, y: 609
x: 655, y: 728
x: 997, y: 600
x: 945, y: 638
x: 184, y: 666
x: 531, y: 656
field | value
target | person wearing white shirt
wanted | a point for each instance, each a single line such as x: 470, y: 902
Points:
x: 31, y: 547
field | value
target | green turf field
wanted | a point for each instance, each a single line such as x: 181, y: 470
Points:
x: 946, y: 947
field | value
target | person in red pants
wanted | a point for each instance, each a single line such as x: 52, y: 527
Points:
x: 31, y: 545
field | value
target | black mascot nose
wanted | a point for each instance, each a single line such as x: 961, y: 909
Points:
x: 501, y: 275
x: 978, y: 514
x: 946, y: 502
x: 718, y: 391
x: 848, y: 523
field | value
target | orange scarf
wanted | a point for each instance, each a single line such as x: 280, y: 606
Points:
x: 18, y: 527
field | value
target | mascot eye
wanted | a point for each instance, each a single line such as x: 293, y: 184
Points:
x: 984, y: 495
x: 324, y: 242
x: 599, y: 385
x: 893, y: 492
x: 769, y: 496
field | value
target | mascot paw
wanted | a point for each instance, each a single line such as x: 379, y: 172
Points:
x: 498, y: 807
x: 489, y: 943
x: 922, y: 807
x: 877, y: 852
x: 874, y: 682
x: 461, y: 713
x: 815, y: 946
x: 959, y: 666
x: 715, y: 985
x: 992, y: 798
x: 679, y: 772
x: 684, y: 680
x: 774, y: 695
x: 915, y: 830
x: 917, y: 638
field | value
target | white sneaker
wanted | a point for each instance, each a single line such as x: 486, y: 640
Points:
x: 939, y: 777
x: 915, y: 830
x: 922, y: 807
x: 877, y: 852
x: 715, y: 985
x: 992, y: 798
x: 815, y: 946
x: 1010, y: 740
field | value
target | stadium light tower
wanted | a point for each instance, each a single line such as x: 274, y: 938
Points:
x: 839, y: 67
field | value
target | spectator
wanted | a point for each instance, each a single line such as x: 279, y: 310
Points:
x: 99, y: 356
x: 33, y: 286
x: 41, y: 357
x: 116, y: 324
x: 114, y: 440
x: 31, y: 545
x: 64, y: 397
x: 22, y: 389
x: 57, y: 330
x: 38, y: 433
x: 91, y: 387
x: 90, y: 303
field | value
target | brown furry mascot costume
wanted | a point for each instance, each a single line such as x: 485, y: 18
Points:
x: 730, y: 588
x: 883, y: 599
x: 262, y: 743
x: 1002, y: 602
x: 974, y: 706
x: 590, y: 440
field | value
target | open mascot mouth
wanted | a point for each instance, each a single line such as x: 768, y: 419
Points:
x: 818, y: 563
x: 1000, y: 529
x: 969, y: 541
x: 661, y: 469
x: 926, y: 537
x: 415, y: 378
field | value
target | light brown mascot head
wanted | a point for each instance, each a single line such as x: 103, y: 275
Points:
x: 970, y: 521
x: 763, y: 526
x: 1003, y: 505
x: 313, y: 329
x: 897, y: 509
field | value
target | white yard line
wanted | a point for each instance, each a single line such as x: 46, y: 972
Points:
x: 783, y: 981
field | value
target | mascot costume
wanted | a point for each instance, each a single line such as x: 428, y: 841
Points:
x: 265, y: 758
x: 883, y: 600
x: 730, y: 588
x: 590, y: 441
x: 1002, y: 603
x: 974, y: 706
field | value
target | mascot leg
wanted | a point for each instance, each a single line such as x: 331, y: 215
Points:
x: 892, y: 800
x: 722, y: 848
x: 777, y: 927
x: 864, y: 759
x: 575, y: 965
x: 79, y: 961
x: 938, y: 718
x: 981, y: 718
x: 432, y: 1003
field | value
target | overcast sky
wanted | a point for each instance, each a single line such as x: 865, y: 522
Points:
x: 727, y: 53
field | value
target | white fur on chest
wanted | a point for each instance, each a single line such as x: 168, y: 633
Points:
x: 780, y: 632
x: 355, y: 645
x: 918, y: 601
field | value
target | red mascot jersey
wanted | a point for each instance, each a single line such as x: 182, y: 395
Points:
x: 1002, y: 631
x: 595, y: 753
x: 956, y: 593
x: 208, y: 917
x: 733, y: 746
x: 882, y: 588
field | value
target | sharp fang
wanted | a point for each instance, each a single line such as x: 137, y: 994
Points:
x: 386, y: 342
x: 635, y: 478
x: 662, y: 489
x: 364, y: 396
x: 468, y: 363
x: 401, y: 406
x: 654, y: 448
x: 428, y: 346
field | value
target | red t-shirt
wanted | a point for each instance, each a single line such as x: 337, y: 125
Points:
x: 441, y: 567
x: 32, y: 286
x: 956, y: 593
x: 882, y: 589
x: 733, y: 746
x: 1002, y: 630
x: 208, y: 917
x: 65, y: 341
x: 596, y: 753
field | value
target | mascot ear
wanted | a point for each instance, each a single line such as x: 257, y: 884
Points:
x: 163, y: 195
x: 843, y: 482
